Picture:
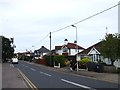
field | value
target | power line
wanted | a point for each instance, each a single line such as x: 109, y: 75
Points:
x: 41, y: 39
x: 77, y: 22
x: 87, y: 18
x: 38, y: 42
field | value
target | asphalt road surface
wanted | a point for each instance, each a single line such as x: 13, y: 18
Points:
x: 43, y: 77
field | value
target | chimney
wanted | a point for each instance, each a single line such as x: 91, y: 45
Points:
x: 65, y: 41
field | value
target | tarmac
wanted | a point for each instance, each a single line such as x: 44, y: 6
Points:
x: 108, y: 77
x: 11, y: 77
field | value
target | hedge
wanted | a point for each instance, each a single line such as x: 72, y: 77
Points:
x: 59, y: 59
x: 47, y: 60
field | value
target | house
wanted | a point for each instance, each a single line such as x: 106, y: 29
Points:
x: 70, y: 49
x: 93, y: 52
x: 22, y: 55
x: 41, y: 52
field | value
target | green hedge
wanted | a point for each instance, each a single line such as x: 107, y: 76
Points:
x: 47, y: 60
x: 59, y: 59
x: 55, y: 60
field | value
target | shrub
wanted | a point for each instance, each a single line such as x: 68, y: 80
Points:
x: 26, y: 58
x: 67, y: 62
x: 59, y: 59
x: 83, y: 62
x: 91, y: 66
x: 47, y: 60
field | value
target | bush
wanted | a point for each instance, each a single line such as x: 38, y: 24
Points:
x: 91, y: 66
x: 83, y: 62
x: 67, y: 62
x: 47, y: 60
x: 59, y: 59
x: 27, y: 58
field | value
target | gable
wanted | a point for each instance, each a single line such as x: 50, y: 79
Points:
x: 43, y: 50
x: 89, y: 49
x: 93, y: 51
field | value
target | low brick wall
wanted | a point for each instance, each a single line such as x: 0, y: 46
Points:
x: 109, y: 69
x: 41, y: 61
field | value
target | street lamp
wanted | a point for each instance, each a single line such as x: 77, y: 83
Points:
x: 33, y: 52
x: 50, y: 50
x: 76, y: 47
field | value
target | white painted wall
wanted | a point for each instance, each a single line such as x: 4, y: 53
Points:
x: 73, y: 51
x: 59, y: 52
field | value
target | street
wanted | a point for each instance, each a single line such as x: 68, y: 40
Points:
x: 43, y: 77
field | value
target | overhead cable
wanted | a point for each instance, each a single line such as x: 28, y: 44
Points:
x: 87, y: 18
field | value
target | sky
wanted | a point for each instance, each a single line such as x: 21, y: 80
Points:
x: 29, y: 22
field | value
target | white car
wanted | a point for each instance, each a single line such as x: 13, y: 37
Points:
x: 14, y: 60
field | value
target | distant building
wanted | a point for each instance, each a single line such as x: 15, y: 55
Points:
x: 41, y: 52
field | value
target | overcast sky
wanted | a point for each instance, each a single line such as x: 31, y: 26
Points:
x: 29, y: 21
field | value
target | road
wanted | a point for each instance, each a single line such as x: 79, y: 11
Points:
x: 46, y: 78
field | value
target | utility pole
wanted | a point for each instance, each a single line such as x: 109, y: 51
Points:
x: 50, y: 48
x: 119, y: 17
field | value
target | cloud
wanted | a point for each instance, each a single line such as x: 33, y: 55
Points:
x: 28, y: 21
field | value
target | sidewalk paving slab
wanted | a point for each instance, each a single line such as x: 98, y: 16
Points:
x: 11, y: 77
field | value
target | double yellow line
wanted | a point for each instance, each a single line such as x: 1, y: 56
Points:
x: 31, y: 85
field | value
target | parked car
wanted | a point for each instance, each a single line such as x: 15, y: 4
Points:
x: 14, y: 60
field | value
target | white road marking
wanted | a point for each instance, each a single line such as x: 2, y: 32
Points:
x: 11, y: 65
x: 32, y: 69
x: 45, y: 74
x: 76, y: 84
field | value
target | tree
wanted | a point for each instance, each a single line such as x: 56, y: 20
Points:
x: 110, y: 47
x: 118, y: 52
x: 7, y: 49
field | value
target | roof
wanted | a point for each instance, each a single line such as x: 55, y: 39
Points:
x: 69, y: 45
x: 96, y: 46
x: 73, y: 46
x: 58, y: 47
x: 43, y: 50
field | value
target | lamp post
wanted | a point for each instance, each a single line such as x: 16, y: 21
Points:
x: 76, y: 47
x: 50, y: 50
x: 33, y: 52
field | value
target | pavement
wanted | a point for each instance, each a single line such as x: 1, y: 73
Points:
x: 11, y: 78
